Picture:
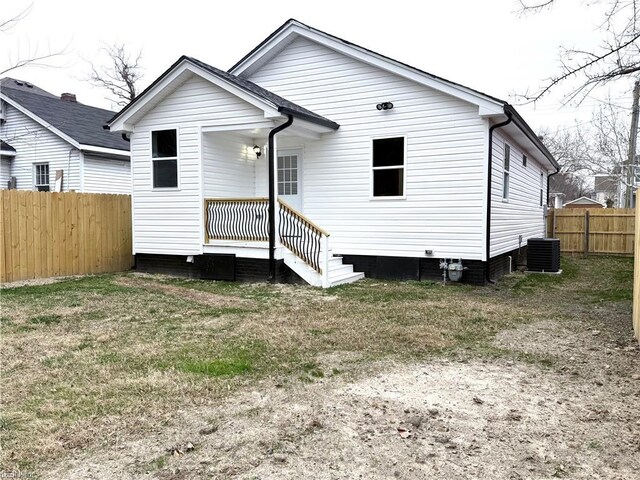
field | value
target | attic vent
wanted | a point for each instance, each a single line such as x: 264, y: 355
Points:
x: 68, y: 97
x: 28, y: 85
x: 19, y: 83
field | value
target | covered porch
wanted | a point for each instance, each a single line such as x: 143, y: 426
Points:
x: 238, y: 216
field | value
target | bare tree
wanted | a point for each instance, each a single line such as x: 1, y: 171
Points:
x: 583, y: 150
x: 120, y: 75
x: 617, y: 56
x: 35, y: 57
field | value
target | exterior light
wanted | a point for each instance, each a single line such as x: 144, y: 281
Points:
x: 257, y: 150
x: 384, y: 106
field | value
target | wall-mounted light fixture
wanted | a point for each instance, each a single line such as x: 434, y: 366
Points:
x: 257, y: 150
x: 384, y: 106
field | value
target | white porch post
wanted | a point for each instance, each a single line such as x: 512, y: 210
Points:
x: 325, y: 261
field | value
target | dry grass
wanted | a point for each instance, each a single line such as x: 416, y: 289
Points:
x: 93, y: 361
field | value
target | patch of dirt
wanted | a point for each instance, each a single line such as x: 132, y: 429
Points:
x: 38, y: 281
x: 204, y: 298
x: 439, y: 419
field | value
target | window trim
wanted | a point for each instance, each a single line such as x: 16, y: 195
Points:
x: 35, y: 177
x: 541, y: 188
x: 176, y: 158
x: 372, y: 197
x: 506, y: 172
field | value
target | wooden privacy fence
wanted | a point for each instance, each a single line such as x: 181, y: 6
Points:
x: 52, y: 234
x: 607, y: 231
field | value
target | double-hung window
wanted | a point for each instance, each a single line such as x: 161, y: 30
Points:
x: 505, y: 172
x: 541, y: 188
x: 41, y: 177
x: 388, y: 167
x: 164, y: 156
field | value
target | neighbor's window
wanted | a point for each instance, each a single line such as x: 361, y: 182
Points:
x: 524, y: 160
x: 388, y: 167
x: 164, y: 153
x: 541, y: 187
x: 41, y: 180
x: 505, y: 174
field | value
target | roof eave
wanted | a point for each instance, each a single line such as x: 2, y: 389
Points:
x: 310, y: 118
x: 530, y: 134
x: 269, y: 108
x: 488, y: 105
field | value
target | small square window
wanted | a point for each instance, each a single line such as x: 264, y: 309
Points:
x: 388, y: 167
x: 164, y: 153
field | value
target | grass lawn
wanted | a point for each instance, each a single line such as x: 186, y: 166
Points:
x: 100, y: 359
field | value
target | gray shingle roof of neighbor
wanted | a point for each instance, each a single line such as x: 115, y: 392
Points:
x: 82, y: 123
x: 285, y: 106
x: 5, y: 147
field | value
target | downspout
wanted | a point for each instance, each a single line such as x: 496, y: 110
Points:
x: 488, y: 231
x: 548, y: 178
x: 272, y: 198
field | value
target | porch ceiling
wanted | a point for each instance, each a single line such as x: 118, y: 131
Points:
x: 300, y: 128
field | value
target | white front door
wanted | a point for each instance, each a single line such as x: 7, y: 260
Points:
x: 290, y: 178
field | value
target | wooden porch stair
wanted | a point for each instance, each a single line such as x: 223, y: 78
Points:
x: 338, y: 273
x: 305, y: 244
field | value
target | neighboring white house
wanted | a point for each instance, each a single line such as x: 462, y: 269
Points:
x: 609, y: 189
x: 584, y: 202
x: 374, y: 164
x: 44, y: 135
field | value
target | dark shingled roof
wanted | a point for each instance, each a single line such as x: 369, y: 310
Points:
x: 283, y: 105
x: 81, y: 122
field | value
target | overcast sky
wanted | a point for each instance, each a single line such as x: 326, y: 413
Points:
x: 484, y: 45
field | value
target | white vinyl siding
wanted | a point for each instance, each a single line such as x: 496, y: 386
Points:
x: 444, y: 167
x: 171, y: 221
x: 106, y: 176
x: 522, y: 214
x: 5, y: 172
x: 36, y: 144
x: 228, y: 167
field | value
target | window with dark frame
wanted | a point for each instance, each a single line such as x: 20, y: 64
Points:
x: 388, y: 167
x: 524, y: 160
x: 164, y: 153
x: 541, y: 188
x: 41, y: 180
x: 505, y: 174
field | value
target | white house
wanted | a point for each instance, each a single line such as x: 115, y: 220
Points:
x: 45, y: 136
x: 372, y: 164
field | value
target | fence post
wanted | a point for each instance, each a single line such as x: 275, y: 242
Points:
x: 586, y: 233
x: 636, y: 274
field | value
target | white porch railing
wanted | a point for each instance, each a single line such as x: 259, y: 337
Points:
x: 247, y: 219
